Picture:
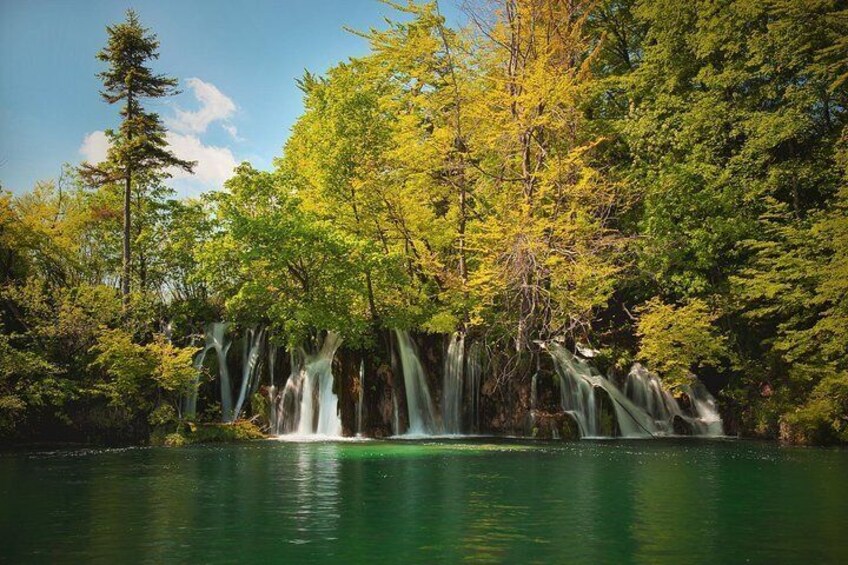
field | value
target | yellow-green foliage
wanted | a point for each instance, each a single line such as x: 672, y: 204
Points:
x: 676, y: 340
x: 240, y: 430
x: 142, y: 377
x: 27, y: 382
x: 823, y: 418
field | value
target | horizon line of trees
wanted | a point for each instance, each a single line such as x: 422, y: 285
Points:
x: 662, y: 181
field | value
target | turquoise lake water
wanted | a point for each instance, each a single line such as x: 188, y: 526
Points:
x: 481, y: 500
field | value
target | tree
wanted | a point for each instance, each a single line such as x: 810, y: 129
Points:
x: 547, y: 250
x: 278, y: 264
x: 138, y: 148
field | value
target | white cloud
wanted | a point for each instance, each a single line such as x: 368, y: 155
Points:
x: 214, y: 164
x: 94, y: 147
x: 233, y: 131
x: 215, y: 106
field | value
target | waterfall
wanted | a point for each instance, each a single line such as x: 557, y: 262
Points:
x: 707, y: 411
x: 272, y: 390
x: 474, y: 372
x: 643, y: 409
x: 190, y: 401
x: 578, y: 386
x: 452, y: 384
x: 422, y: 414
x: 534, y: 400
x: 308, y: 405
x: 706, y: 420
x: 252, y: 350
x: 646, y: 390
x: 534, y: 394
x: 361, y: 400
x: 329, y: 421
x: 216, y: 340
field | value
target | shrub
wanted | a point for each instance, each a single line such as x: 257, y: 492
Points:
x: 240, y: 430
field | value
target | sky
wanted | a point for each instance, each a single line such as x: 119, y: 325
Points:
x: 236, y: 61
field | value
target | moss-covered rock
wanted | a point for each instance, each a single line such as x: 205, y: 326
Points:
x: 556, y: 425
x: 607, y: 423
x: 681, y: 426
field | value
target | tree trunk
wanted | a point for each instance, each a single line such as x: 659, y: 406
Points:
x: 127, y: 270
x: 125, y: 277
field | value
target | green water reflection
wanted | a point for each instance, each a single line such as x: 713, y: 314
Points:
x: 482, y: 500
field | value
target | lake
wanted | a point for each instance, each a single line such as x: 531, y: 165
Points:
x: 478, y: 500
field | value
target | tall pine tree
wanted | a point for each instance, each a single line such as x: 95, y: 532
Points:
x: 138, y: 147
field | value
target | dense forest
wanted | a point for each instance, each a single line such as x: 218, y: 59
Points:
x: 656, y: 180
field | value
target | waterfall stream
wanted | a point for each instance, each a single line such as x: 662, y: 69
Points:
x: 474, y: 374
x: 215, y: 340
x: 452, y: 385
x: 643, y: 409
x: 252, y: 350
x: 360, y: 401
x: 308, y: 406
x: 422, y: 413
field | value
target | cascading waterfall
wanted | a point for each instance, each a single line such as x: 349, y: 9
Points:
x: 643, y: 409
x: 645, y: 389
x: 578, y: 386
x: 707, y: 421
x: 329, y: 421
x: 395, y: 415
x: 287, y: 402
x: 308, y: 406
x: 534, y: 394
x: 474, y: 374
x: 252, y: 350
x: 452, y: 384
x: 422, y: 414
x: 272, y: 389
x: 217, y: 335
x: 576, y: 392
x: 216, y: 340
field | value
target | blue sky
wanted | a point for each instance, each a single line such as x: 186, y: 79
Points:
x: 237, y: 62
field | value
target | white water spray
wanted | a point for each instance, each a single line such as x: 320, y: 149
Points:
x: 578, y: 386
x: 644, y: 409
